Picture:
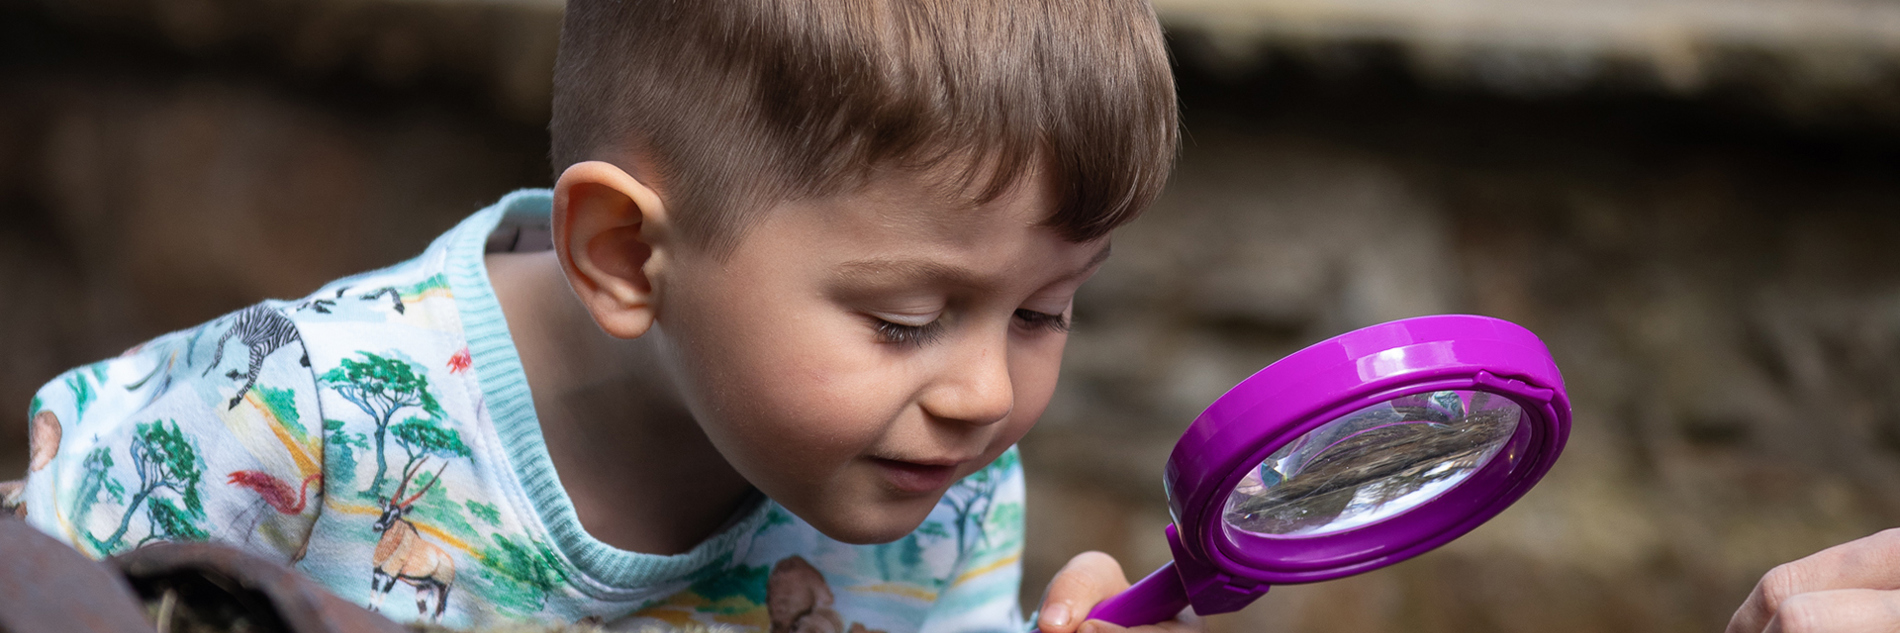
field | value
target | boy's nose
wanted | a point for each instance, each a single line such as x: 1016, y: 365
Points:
x: 974, y: 387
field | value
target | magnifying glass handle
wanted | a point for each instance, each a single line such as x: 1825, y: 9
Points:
x: 1157, y: 598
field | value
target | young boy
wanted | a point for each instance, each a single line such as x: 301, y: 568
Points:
x: 759, y: 358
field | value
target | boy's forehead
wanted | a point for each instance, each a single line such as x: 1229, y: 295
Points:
x: 903, y: 229
x: 941, y: 202
x: 949, y: 274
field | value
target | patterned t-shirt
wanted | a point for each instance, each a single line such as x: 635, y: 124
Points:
x: 381, y: 429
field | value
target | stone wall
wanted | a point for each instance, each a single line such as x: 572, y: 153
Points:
x: 1718, y: 287
x: 146, y: 186
x: 1715, y: 277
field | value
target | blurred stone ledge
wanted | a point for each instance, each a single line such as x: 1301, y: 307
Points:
x: 1833, y: 60
x: 505, y: 48
x: 1808, y: 59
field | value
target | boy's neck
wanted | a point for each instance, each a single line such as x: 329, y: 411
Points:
x: 640, y: 472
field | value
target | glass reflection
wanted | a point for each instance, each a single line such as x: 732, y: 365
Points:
x: 1373, y: 463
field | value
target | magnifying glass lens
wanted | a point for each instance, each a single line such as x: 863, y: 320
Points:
x: 1373, y: 463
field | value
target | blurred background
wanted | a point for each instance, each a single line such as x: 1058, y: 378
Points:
x: 1694, y: 202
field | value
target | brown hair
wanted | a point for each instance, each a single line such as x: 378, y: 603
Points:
x: 739, y: 103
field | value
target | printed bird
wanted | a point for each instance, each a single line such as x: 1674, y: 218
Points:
x: 273, y: 490
x: 460, y: 362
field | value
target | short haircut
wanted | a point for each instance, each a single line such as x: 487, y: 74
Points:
x: 738, y: 104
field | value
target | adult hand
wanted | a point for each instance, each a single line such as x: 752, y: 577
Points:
x: 1850, y: 587
x: 1088, y: 579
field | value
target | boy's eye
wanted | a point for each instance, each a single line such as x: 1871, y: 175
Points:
x: 1043, y: 320
x: 912, y: 335
x: 920, y: 335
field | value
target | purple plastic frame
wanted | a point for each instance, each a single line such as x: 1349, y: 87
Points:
x: 1218, y: 569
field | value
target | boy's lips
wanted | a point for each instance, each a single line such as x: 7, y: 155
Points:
x: 916, y: 477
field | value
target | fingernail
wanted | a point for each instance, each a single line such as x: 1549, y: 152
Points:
x: 1058, y: 614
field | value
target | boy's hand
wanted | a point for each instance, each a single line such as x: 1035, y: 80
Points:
x: 1854, y: 586
x: 1089, y: 579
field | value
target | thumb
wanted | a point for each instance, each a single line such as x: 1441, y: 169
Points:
x: 1088, y: 579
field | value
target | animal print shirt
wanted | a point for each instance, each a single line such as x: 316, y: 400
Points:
x: 381, y: 430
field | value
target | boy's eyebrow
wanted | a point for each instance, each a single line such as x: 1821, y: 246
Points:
x: 907, y: 269
x: 1096, y: 260
x: 939, y: 272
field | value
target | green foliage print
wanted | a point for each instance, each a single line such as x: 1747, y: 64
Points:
x: 166, y: 460
x: 169, y: 523
x: 419, y: 439
x: 382, y: 387
x: 435, y: 508
x: 33, y: 408
x: 971, y: 499
x: 283, y: 404
x: 438, y: 281
x: 83, y: 393
x: 522, y: 573
x: 422, y: 437
x: 1006, y: 515
x: 340, y: 448
x: 717, y: 582
x: 774, y: 517
x: 488, y: 513
x: 903, y: 559
x: 97, y: 480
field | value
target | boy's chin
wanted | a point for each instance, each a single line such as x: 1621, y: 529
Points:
x: 881, y: 523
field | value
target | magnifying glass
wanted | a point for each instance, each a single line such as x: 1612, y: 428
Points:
x: 1361, y: 451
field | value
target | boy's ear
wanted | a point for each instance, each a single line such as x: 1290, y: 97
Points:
x: 607, y: 226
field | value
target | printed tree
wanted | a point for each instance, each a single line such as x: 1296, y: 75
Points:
x: 97, y: 480
x: 382, y: 387
x: 340, y: 449
x: 972, y: 499
x: 167, y: 522
x: 521, y: 574
x: 421, y: 437
x: 903, y: 560
x: 165, y: 460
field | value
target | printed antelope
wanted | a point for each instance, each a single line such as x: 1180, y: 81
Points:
x: 403, y: 555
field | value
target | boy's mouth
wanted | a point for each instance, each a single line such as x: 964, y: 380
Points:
x: 914, y: 477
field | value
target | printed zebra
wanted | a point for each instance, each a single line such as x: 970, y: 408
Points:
x: 264, y: 331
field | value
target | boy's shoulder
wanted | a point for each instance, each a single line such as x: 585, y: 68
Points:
x: 151, y: 445
x: 138, y: 447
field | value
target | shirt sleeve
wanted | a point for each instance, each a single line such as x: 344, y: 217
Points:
x: 983, y: 592
x: 212, y: 433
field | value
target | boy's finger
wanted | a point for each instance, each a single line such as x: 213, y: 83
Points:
x: 1186, y: 623
x: 1098, y: 626
x: 1838, y: 611
x: 1869, y: 563
x: 1089, y: 578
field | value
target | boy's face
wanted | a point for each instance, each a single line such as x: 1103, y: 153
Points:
x: 856, y: 355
